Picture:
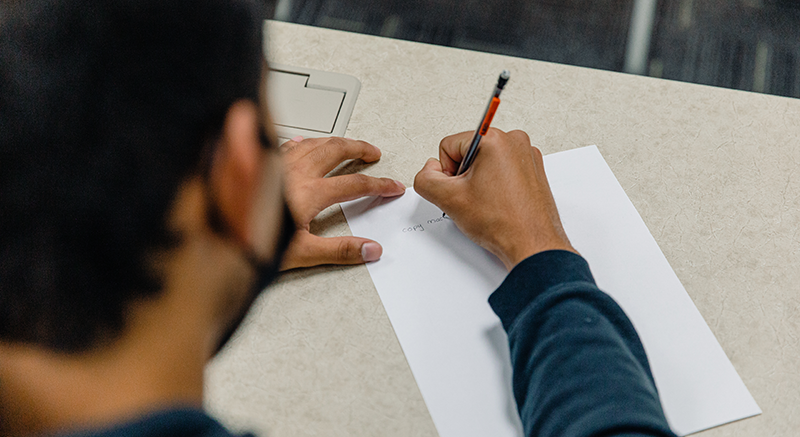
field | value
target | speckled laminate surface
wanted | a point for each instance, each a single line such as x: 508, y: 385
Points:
x: 713, y: 172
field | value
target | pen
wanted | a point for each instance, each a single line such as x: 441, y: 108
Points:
x: 486, y: 120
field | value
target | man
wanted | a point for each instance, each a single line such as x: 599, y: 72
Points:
x: 142, y: 210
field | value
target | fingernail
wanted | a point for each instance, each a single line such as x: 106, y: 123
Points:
x: 400, y: 185
x: 371, y: 252
x: 297, y: 139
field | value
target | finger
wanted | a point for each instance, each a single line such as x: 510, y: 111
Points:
x: 355, y: 186
x: 308, y: 250
x: 433, y: 184
x: 294, y: 149
x: 431, y: 171
x: 334, y: 151
x: 452, y: 150
x: 299, y: 147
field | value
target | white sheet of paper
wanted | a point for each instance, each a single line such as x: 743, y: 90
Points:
x: 434, y: 284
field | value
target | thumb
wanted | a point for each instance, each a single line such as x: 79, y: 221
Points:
x: 309, y: 250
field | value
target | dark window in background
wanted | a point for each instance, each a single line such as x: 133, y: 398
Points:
x: 750, y: 45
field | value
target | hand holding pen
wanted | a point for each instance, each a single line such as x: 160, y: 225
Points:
x: 504, y: 204
x: 483, y: 126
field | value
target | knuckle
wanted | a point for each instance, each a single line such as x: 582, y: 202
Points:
x: 354, y: 184
x: 362, y: 179
x: 519, y: 135
x: 359, y: 180
x: 454, y: 138
x: 340, y: 149
x: 347, y: 251
x: 336, y: 142
x: 359, y: 148
x: 382, y: 184
x: 493, y: 131
x: 329, y: 151
x: 496, y: 137
x: 287, y: 146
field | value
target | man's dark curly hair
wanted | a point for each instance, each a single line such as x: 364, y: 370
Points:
x: 105, y: 108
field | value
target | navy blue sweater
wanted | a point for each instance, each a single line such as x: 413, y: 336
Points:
x: 579, y: 367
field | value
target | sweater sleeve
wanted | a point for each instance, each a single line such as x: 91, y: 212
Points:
x: 579, y: 368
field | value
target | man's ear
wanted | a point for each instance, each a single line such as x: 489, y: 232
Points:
x: 235, y: 168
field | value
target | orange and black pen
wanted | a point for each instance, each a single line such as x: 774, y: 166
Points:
x: 494, y: 101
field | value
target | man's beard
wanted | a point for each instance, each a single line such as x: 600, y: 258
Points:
x: 265, y: 274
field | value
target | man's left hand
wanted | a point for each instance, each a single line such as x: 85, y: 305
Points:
x: 308, y: 192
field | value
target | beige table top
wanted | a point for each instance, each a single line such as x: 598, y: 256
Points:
x: 713, y: 172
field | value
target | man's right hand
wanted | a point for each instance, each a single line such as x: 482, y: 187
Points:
x: 503, y: 202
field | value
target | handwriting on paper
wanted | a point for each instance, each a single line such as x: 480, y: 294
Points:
x: 439, y: 219
x: 420, y: 228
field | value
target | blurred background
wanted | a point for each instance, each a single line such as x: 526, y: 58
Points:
x: 751, y: 45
